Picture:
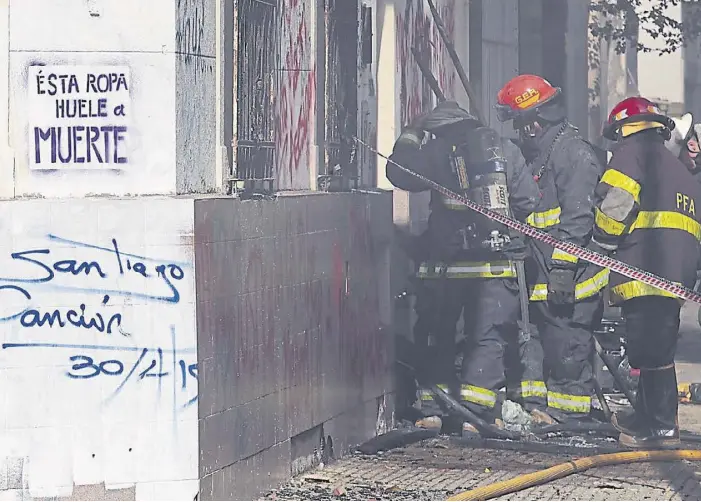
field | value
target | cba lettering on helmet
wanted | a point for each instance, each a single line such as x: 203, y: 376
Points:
x: 524, y: 95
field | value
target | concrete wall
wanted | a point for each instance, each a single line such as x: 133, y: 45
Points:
x: 158, y: 87
x: 500, y: 55
x: 294, y: 343
x: 98, y: 362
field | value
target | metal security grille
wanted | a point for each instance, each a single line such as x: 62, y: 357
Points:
x: 339, y: 170
x: 257, y: 42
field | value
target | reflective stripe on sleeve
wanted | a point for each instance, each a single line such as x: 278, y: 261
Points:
x: 608, y: 224
x: 563, y: 256
x: 545, y: 219
x: 582, y: 290
x: 623, y: 181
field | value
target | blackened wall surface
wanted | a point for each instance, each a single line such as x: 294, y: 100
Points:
x: 293, y: 305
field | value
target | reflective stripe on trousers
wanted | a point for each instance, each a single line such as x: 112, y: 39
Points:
x: 467, y: 270
x: 584, y: 289
x: 569, y: 402
x: 531, y: 388
x: 478, y: 395
x: 427, y: 395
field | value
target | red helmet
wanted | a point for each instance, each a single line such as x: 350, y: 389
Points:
x: 636, y: 109
x: 522, y: 95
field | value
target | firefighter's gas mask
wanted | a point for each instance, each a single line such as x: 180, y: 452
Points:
x: 528, y: 138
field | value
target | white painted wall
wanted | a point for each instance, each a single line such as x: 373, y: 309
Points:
x: 171, y: 142
x: 61, y: 422
x: 133, y: 34
x: 661, y: 77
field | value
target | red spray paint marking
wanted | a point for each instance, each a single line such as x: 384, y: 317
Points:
x: 297, y: 94
x: 415, y: 28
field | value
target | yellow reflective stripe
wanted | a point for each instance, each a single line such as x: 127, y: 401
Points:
x: 539, y: 293
x: 582, y: 290
x: 454, y: 204
x: 532, y: 388
x: 427, y: 395
x: 623, y: 181
x: 563, y: 256
x: 544, y: 219
x: 467, y: 270
x: 569, y: 402
x: 634, y: 289
x: 669, y: 220
x: 608, y: 224
x: 590, y: 287
x: 478, y: 395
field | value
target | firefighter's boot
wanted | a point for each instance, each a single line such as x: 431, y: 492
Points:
x: 626, y: 421
x: 469, y: 430
x: 430, y: 409
x: 655, y: 424
x: 491, y: 416
x: 539, y: 417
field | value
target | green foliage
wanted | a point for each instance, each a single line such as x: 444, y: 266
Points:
x: 617, y: 21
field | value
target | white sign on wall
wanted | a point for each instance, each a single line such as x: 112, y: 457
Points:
x: 78, y: 117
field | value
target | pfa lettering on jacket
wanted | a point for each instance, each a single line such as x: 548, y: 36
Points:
x: 78, y: 117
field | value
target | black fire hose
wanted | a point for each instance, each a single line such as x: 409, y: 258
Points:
x: 577, y: 426
x: 602, y: 400
x: 485, y: 429
x: 614, y: 372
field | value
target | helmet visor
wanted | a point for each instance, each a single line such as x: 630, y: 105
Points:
x: 505, y: 112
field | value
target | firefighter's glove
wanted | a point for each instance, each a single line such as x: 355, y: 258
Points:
x: 561, y: 287
x: 516, y: 249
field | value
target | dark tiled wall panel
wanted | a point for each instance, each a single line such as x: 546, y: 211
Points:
x: 293, y: 316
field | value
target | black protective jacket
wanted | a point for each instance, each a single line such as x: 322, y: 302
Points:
x: 648, y: 215
x: 447, y: 217
x: 567, y: 170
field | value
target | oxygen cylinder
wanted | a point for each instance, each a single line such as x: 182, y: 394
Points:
x: 480, y: 161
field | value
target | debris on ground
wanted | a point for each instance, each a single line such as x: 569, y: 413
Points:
x: 515, y: 417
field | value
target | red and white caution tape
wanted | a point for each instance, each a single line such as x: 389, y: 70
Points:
x: 573, y: 249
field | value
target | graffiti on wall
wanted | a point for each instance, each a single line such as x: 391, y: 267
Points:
x: 190, y: 35
x: 359, y: 306
x: 78, y: 117
x: 297, y: 96
x: 415, y: 28
x: 86, y: 308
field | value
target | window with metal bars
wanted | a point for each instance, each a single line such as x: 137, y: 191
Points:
x: 339, y: 167
x: 256, y: 46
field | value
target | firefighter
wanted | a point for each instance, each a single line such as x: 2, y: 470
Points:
x: 483, y: 282
x: 646, y: 213
x: 684, y: 143
x: 566, y: 294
